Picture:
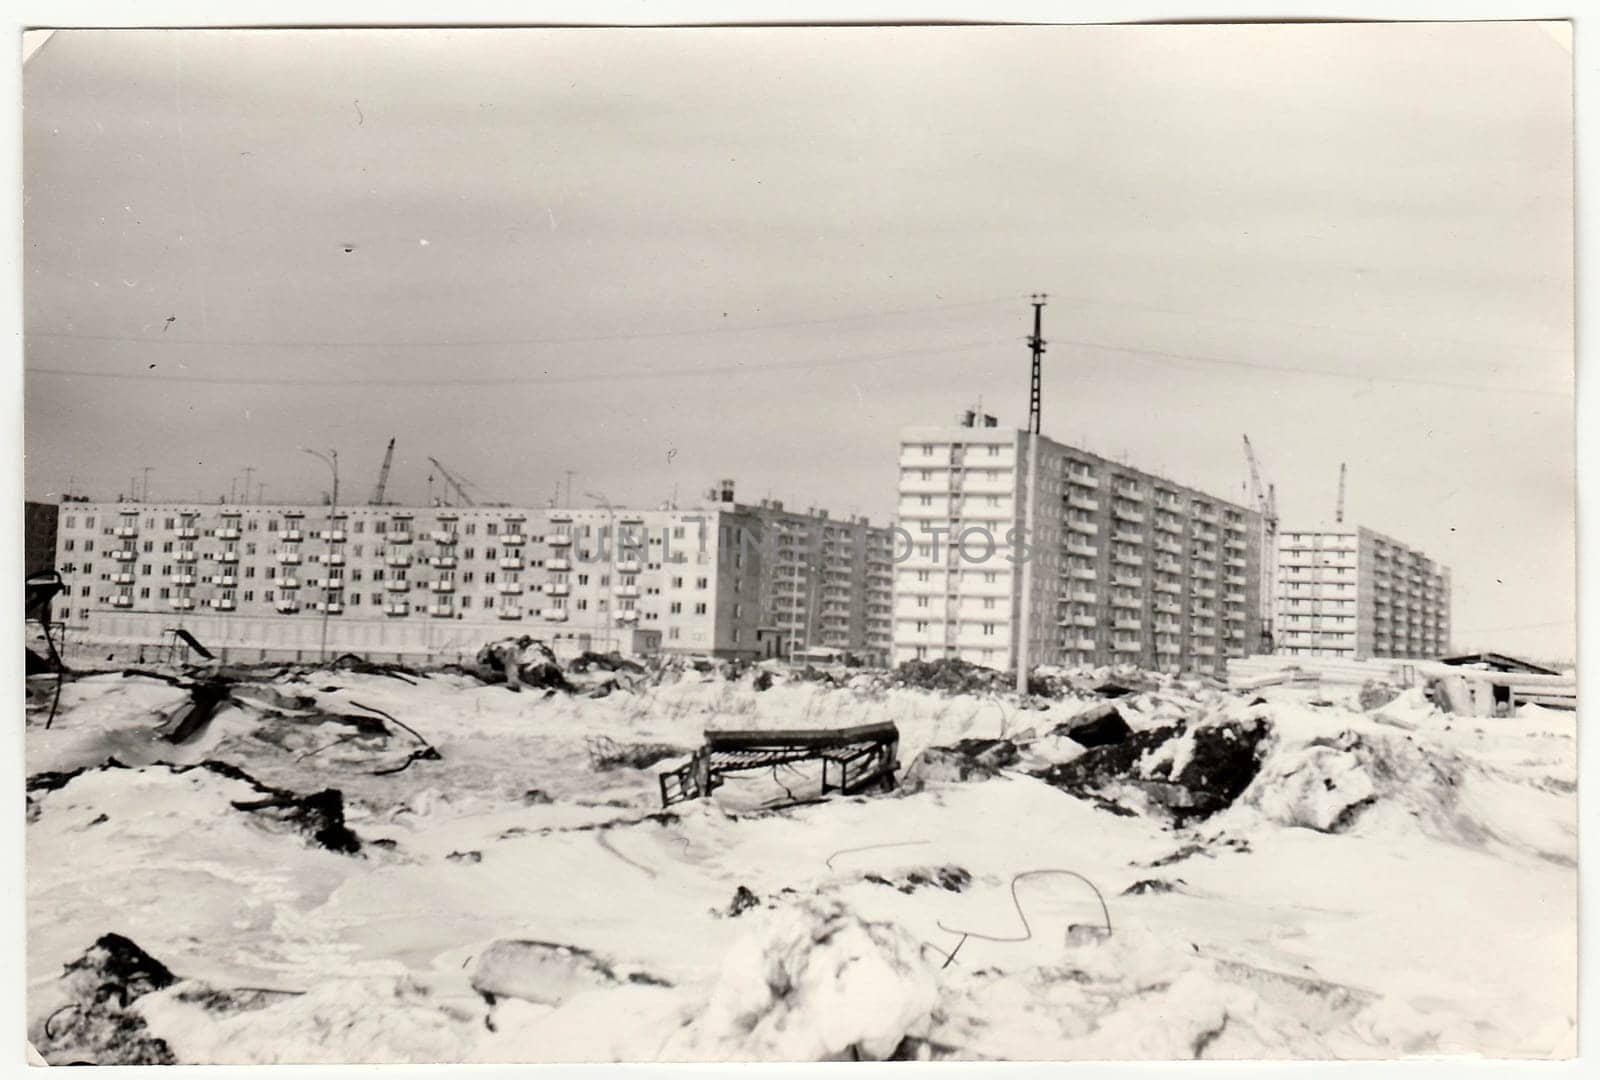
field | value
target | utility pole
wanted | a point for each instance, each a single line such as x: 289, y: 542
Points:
x: 145, y: 497
x: 330, y: 459
x: 1036, y: 343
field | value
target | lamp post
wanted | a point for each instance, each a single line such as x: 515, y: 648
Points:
x: 331, y: 460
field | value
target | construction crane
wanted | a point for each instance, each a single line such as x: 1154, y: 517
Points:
x: 452, y: 483
x: 1266, y: 500
x: 383, y: 476
x: 1338, y: 512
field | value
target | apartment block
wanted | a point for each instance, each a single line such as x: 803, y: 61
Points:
x: 1354, y: 593
x: 1015, y: 538
x: 440, y: 580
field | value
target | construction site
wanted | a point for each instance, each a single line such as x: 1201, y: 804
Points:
x: 551, y: 546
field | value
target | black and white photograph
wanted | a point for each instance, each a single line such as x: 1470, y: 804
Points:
x: 798, y: 543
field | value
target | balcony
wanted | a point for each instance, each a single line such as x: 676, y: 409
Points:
x: 289, y: 558
x: 397, y: 585
x: 1078, y: 596
x: 559, y: 540
x: 558, y: 588
x: 333, y: 536
x: 400, y: 537
x: 291, y: 536
x: 1081, y: 644
x: 513, y: 539
x: 183, y: 603
x: 185, y: 532
x: 1088, y: 528
x: 286, y: 582
x: 1127, y: 602
x: 554, y: 614
x: 1123, y: 623
x: 122, y: 579
x: 1080, y: 620
x: 1124, y: 514
x: 558, y: 564
x: 510, y: 613
x: 1206, y: 536
x: 125, y: 532
x: 1165, y: 607
x: 226, y: 581
x: 186, y: 556
x: 125, y: 555
x: 440, y: 536
x: 1233, y: 562
x: 1082, y: 573
x: 228, y: 556
x: 397, y: 609
x: 1128, y: 559
x: 1080, y: 502
x: 1167, y: 647
x: 628, y: 566
x: 287, y: 607
x: 1168, y: 587
x: 442, y: 562
x: 628, y: 616
x: 122, y: 600
x: 512, y: 563
x: 627, y: 590
x: 510, y: 587
x: 333, y: 558
x: 397, y: 560
x: 228, y: 532
x: 444, y: 586
x: 221, y: 604
x: 1087, y: 551
x: 1127, y: 646
x: 332, y: 607
x: 1127, y: 581
x: 441, y: 611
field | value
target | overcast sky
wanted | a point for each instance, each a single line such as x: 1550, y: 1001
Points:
x: 662, y: 257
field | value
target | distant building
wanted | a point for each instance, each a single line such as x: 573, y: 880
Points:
x: 1347, y: 591
x: 719, y: 579
x: 39, y: 535
x: 1015, y: 537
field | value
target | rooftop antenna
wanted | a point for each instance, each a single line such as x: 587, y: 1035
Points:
x: 1036, y: 343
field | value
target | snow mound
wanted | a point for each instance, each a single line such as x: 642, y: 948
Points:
x: 813, y: 982
x: 1374, y: 782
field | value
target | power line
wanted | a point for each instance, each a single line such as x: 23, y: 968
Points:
x: 514, y: 380
x: 1325, y: 372
x: 585, y: 339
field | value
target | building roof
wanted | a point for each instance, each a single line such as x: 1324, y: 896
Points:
x: 1497, y: 662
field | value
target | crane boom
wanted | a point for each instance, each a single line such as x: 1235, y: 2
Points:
x: 452, y: 483
x: 383, y: 475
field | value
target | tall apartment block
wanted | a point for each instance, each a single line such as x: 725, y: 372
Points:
x: 1354, y: 593
x: 719, y: 579
x: 1015, y: 538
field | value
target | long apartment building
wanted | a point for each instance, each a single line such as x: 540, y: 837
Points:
x: 1017, y: 539
x: 1350, y: 592
x: 718, y: 579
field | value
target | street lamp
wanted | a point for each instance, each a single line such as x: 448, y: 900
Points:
x: 331, y: 460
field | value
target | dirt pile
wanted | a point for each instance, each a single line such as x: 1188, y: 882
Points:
x: 1185, y: 771
x: 95, y: 1026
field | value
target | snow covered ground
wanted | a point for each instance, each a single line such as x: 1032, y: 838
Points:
x: 1392, y: 883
